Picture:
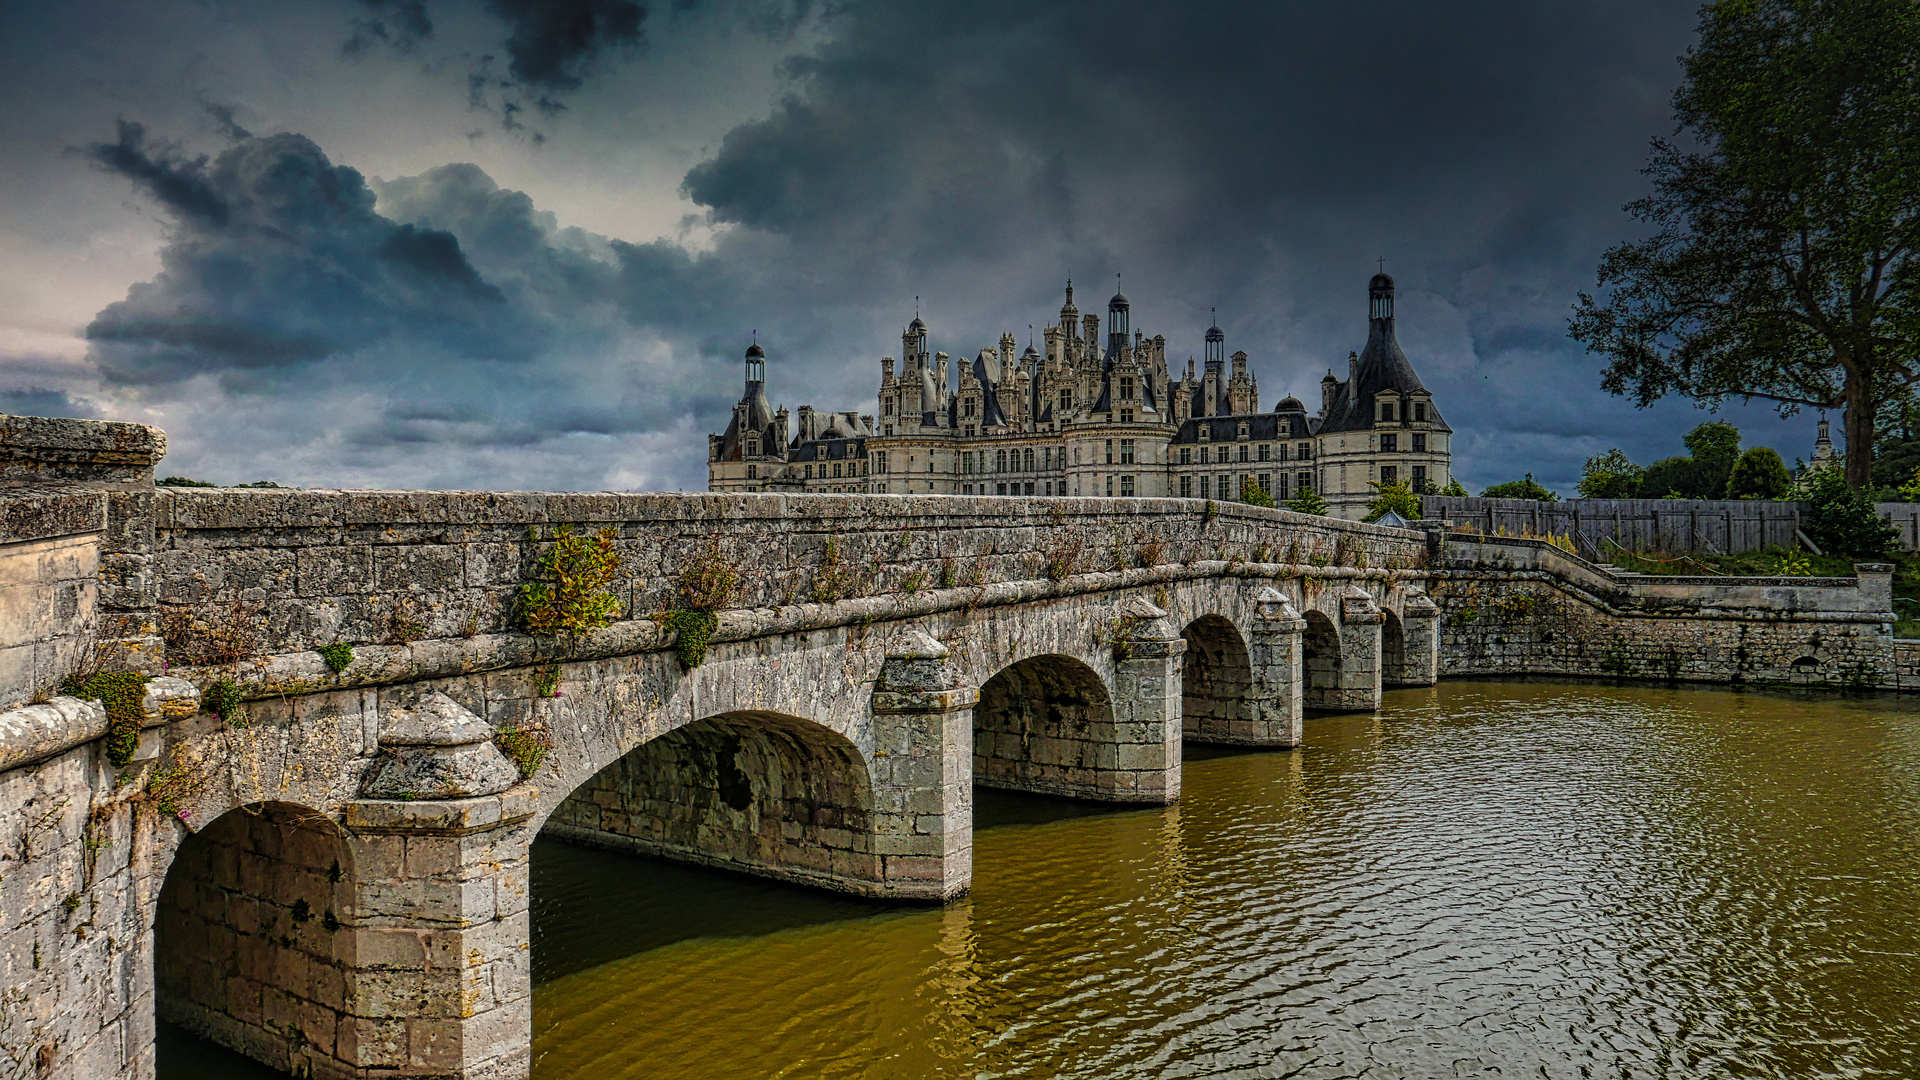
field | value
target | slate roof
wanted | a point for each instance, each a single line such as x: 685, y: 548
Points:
x: 1382, y: 365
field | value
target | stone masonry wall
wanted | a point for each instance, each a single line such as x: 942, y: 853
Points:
x: 1044, y: 725
x: 249, y: 945
x: 1513, y: 606
x: 1214, y: 682
x: 49, y: 586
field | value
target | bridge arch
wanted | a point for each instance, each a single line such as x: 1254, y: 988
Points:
x: 1216, y: 678
x: 759, y: 792
x: 253, y: 946
x: 1041, y: 725
x: 1393, y: 647
x: 1321, y: 660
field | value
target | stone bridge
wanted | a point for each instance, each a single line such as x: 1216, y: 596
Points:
x: 319, y: 858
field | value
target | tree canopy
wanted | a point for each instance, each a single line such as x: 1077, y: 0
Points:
x: 1759, y: 474
x: 1785, y: 216
x: 1520, y: 489
x: 1397, y: 496
x: 1611, y: 475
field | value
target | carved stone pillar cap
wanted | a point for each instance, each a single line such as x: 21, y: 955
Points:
x: 1274, y: 604
x: 1139, y: 607
x: 437, y: 720
x: 437, y: 750
x: 916, y: 645
x: 1150, y: 622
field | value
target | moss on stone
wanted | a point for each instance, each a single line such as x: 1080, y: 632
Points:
x: 123, y: 694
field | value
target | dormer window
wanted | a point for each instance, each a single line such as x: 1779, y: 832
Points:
x: 1243, y: 429
x: 1386, y: 412
x: 1419, y: 412
x: 1126, y: 416
x: 886, y: 407
x: 1126, y: 388
x: 753, y: 447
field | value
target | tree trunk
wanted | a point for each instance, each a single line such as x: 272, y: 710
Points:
x: 1858, y: 421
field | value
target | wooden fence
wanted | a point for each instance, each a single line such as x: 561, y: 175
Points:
x: 1672, y: 525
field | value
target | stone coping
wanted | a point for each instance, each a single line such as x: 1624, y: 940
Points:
x: 31, y: 733
x: 58, y: 439
x: 280, y: 508
x: 441, y: 817
x: 45, y: 511
x: 306, y: 672
x: 1628, y: 577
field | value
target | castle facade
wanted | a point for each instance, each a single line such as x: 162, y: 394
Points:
x: 1098, y: 415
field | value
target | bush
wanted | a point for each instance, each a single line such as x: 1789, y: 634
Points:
x: 1253, y: 494
x: 1453, y: 490
x: 1759, y: 474
x: 1520, y: 489
x: 1397, y: 497
x: 1308, y: 502
x: 1842, y: 520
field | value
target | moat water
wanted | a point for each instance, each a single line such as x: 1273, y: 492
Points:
x: 1485, y: 879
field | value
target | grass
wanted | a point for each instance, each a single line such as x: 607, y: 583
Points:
x: 1770, y: 563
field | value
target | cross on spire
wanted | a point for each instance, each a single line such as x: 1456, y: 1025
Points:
x: 1383, y: 264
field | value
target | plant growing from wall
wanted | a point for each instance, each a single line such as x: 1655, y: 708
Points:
x: 173, y: 786
x: 948, y: 577
x: 222, y: 699
x: 1119, y: 637
x: 1062, y: 558
x: 705, y: 584
x: 1209, y: 513
x: 546, y: 681
x: 570, y: 596
x: 123, y: 694
x: 832, y: 579
x: 1147, y: 555
x: 339, y: 656
x: 525, y: 748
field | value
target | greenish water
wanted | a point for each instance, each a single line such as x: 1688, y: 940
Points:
x: 1485, y: 879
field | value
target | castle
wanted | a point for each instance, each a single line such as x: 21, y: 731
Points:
x: 1098, y: 417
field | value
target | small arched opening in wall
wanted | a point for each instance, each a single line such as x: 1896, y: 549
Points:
x: 1041, y: 725
x: 1393, y: 651
x: 1320, y: 662
x: 252, y: 946
x: 1216, y: 675
x: 758, y: 792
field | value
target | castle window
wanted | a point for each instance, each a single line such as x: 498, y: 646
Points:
x: 809, y: 472
x: 969, y: 431
x: 1224, y: 485
x: 1220, y: 455
x: 1109, y: 451
x: 1266, y: 483
x: 753, y: 447
x: 1000, y: 489
x: 1242, y: 433
x: 1126, y: 486
x: 1126, y: 416
x: 1186, y: 487
x: 1302, y: 482
x: 880, y: 461
x: 1066, y: 400
x: 1186, y: 455
x: 1000, y: 461
x: 1420, y: 444
x: 889, y: 430
x: 1109, y: 485
x: 1126, y: 388
x: 1389, y: 474
x: 1280, y: 453
x: 969, y: 403
x: 1126, y: 452
x: 886, y: 407
x: 1306, y: 451
x: 836, y: 470
x: 1242, y: 455
x: 1029, y: 487
x: 1028, y: 458
x: 1386, y: 412
x: 1266, y: 452
x: 1419, y: 412
x: 1419, y: 476
x: 1389, y: 443
x: 753, y: 472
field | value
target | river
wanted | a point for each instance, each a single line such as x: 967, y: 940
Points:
x: 1484, y: 879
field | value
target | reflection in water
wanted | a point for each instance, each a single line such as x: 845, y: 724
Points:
x: 1486, y: 879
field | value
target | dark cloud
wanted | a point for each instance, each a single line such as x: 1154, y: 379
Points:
x: 552, y: 43
x: 39, y: 401
x: 225, y: 124
x: 400, y: 25
x: 277, y: 261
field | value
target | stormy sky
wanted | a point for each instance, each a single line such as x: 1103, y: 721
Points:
x: 523, y: 243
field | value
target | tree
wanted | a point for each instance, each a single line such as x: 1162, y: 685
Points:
x: 1781, y: 261
x: 1397, y: 496
x: 1842, y: 519
x: 1253, y: 494
x: 1896, y: 450
x: 1520, y: 489
x: 1759, y: 474
x: 1454, y: 490
x: 1308, y: 501
x: 1611, y: 475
